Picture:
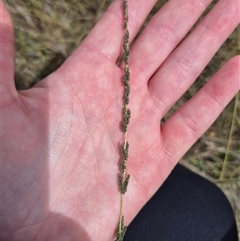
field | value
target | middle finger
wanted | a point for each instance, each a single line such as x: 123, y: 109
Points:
x: 163, y: 33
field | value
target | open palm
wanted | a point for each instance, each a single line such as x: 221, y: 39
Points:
x: 60, y: 140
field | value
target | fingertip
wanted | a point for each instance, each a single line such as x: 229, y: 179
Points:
x: 7, y: 55
x: 231, y: 72
x: 7, y: 29
x: 234, y: 62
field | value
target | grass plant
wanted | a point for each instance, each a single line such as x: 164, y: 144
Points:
x: 126, y: 113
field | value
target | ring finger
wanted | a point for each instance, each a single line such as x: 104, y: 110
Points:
x: 188, y: 60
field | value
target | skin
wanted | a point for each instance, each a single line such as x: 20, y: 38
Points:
x: 60, y: 140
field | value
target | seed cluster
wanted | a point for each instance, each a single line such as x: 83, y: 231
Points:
x: 121, y: 232
x: 123, y: 177
x: 124, y: 150
x: 126, y: 77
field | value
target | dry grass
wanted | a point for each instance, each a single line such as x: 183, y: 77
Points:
x: 48, y: 31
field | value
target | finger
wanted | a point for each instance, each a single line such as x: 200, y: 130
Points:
x: 165, y: 30
x: 7, y: 57
x: 106, y: 37
x: 189, y: 122
x: 185, y: 64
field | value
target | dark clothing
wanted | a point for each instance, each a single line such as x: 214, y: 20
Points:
x: 186, y: 207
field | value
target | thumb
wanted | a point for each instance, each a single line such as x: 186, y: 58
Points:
x: 7, y: 57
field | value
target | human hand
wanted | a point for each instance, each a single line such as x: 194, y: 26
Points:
x: 60, y: 140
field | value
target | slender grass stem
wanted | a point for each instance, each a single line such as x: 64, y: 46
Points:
x: 226, y: 157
